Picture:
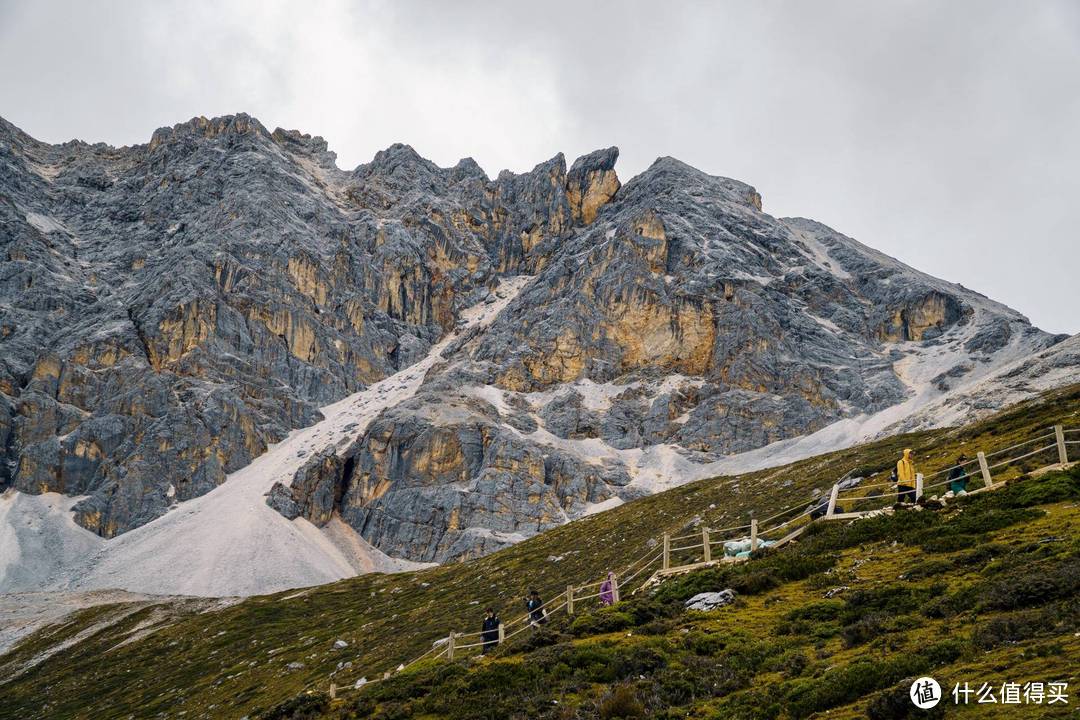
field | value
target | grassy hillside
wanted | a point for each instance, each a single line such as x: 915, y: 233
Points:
x: 986, y: 590
x: 175, y: 656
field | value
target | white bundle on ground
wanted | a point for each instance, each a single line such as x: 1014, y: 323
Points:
x: 741, y: 547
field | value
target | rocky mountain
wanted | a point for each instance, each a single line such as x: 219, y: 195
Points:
x: 168, y: 311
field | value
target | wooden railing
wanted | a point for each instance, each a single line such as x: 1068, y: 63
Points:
x: 980, y: 468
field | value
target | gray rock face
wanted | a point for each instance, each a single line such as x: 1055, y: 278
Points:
x: 170, y: 308
x: 564, y: 416
x: 440, y: 481
x: 167, y: 310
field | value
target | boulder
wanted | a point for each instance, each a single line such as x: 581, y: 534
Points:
x: 710, y: 600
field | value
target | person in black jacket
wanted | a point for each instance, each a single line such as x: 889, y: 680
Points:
x: 535, y: 606
x: 490, y: 634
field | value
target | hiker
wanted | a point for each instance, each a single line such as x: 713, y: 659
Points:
x: 607, y: 590
x: 535, y: 606
x: 958, y: 477
x: 905, y: 478
x: 490, y: 631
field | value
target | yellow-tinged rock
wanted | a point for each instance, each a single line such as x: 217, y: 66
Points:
x: 188, y: 326
x: 307, y: 279
x: 47, y: 368
x: 87, y: 449
x: 680, y: 338
x: 600, y: 187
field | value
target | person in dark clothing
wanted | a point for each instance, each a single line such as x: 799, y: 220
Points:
x: 958, y: 477
x: 490, y: 631
x: 535, y: 606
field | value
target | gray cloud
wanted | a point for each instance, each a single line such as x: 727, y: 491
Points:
x: 943, y: 133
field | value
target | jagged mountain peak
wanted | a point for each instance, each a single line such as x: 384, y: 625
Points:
x: 235, y: 125
x: 668, y: 175
x: 602, y: 159
x: 400, y: 159
x: 468, y: 168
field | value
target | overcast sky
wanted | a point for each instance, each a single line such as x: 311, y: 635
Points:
x: 944, y: 133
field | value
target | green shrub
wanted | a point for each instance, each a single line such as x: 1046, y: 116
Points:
x: 796, y: 564
x: 1030, y: 585
x: 895, y: 704
x: 598, y: 622
x: 945, y: 652
x: 823, y: 610
x: 543, y: 636
x: 393, y: 711
x: 1050, y: 649
x: 680, y: 589
x: 755, y: 582
x: 866, y: 628
x: 641, y: 659
x: 843, y: 685
x: 308, y: 706
x: 1026, y: 624
x: 697, y: 678
x: 892, y: 600
x: 620, y: 702
x: 980, y: 555
x: 928, y: 569
x: 592, y: 663
x: 749, y: 705
x: 648, y: 610
x: 700, y: 642
x: 404, y: 686
x: 659, y: 626
x: 950, y: 542
x: 792, y: 663
x: 1051, y: 488
x: 1007, y: 590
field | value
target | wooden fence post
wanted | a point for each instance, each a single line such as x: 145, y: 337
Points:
x: 667, y: 553
x: 502, y: 633
x: 1059, y: 433
x: 918, y: 486
x: 833, y: 494
x: 985, y: 469
x: 706, y: 548
x: 753, y: 535
x: 569, y: 599
x: 450, y: 646
x: 614, y: 589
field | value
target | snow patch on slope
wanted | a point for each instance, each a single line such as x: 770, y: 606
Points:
x: 598, y: 397
x: 39, y: 540
x: 817, y: 253
x: 1056, y: 366
x: 45, y: 223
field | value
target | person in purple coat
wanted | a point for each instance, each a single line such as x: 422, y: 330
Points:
x: 607, y: 590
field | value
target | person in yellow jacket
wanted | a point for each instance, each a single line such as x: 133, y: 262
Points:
x: 905, y: 478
